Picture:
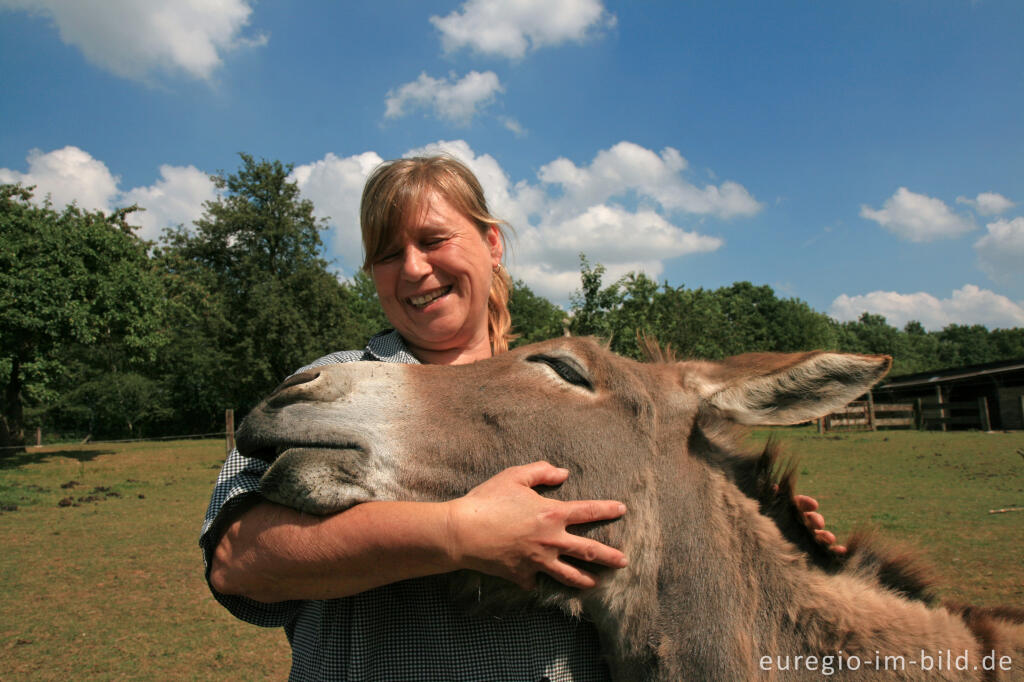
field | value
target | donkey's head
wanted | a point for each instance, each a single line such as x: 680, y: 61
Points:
x: 342, y: 434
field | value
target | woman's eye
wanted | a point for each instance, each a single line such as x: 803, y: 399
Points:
x: 389, y: 257
x: 564, y: 370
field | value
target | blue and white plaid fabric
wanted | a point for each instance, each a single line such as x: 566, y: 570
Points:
x: 408, y: 630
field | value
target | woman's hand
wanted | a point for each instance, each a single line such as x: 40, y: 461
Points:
x: 816, y: 522
x: 505, y: 528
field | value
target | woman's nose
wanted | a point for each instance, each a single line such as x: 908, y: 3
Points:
x: 414, y: 264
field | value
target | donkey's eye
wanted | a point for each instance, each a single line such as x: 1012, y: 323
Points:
x: 563, y: 369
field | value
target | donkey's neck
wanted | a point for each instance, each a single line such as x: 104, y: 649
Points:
x: 744, y: 593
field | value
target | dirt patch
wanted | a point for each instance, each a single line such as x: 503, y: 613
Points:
x: 97, y: 494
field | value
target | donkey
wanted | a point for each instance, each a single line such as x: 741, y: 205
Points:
x: 723, y: 584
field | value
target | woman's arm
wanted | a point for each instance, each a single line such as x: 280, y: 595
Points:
x: 502, y: 527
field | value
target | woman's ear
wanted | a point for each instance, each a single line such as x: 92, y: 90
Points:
x: 493, y: 238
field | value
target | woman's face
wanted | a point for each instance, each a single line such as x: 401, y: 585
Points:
x: 434, y: 283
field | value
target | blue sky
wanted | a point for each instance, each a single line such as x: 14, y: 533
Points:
x: 857, y: 155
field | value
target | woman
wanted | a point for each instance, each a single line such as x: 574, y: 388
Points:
x: 361, y: 593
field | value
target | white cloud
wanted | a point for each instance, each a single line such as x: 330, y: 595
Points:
x: 67, y: 175
x: 457, y: 101
x: 565, y: 210
x: 1001, y: 251
x: 611, y: 234
x: 988, y: 203
x: 557, y: 283
x: 628, y: 167
x: 507, y: 28
x: 335, y: 186
x: 72, y: 175
x: 917, y: 217
x: 967, y: 305
x: 177, y: 198
x: 570, y: 209
x: 132, y: 38
x: 513, y: 125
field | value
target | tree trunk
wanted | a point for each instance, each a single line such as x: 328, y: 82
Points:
x: 12, y: 424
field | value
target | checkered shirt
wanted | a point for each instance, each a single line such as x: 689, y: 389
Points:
x: 408, y: 630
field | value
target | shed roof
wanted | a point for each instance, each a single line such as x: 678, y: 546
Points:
x: 941, y: 376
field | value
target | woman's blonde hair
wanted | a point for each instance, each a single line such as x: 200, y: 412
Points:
x: 397, y: 189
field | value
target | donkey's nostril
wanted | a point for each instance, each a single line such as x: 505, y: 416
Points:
x: 297, y: 380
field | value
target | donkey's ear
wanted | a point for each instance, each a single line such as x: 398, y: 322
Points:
x: 784, y: 388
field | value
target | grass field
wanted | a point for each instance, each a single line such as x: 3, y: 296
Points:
x: 110, y: 586
x: 113, y: 588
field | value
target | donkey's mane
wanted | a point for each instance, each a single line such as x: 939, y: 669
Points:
x: 771, y: 482
x: 653, y: 351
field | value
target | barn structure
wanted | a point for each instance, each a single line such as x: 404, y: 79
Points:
x: 961, y: 396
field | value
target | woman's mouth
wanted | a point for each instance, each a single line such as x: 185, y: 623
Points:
x: 423, y: 300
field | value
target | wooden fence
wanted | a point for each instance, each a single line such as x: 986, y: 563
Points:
x: 867, y: 415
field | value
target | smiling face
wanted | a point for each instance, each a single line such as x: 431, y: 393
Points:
x: 433, y: 283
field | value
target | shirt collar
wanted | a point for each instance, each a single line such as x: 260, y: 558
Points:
x: 388, y: 346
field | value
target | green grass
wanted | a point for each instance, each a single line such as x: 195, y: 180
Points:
x: 113, y: 588
x: 930, y: 489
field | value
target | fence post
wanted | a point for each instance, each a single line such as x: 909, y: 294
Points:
x: 919, y: 414
x: 942, y: 410
x: 871, y: 412
x: 229, y: 429
x: 39, y: 435
x: 986, y: 424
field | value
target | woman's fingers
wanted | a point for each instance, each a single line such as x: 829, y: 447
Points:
x: 825, y: 537
x: 814, y: 521
x: 593, y: 552
x: 505, y: 528
x: 588, y: 511
x: 570, y: 575
x: 805, y: 503
x: 537, y: 473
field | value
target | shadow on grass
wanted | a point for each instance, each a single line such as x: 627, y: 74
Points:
x: 20, y: 459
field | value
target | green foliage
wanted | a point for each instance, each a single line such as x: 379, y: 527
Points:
x: 695, y: 322
x: 66, y: 279
x: 102, y: 333
x: 534, y: 318
x: 744, y: 318
x: 251, y: 295
x: 363, y: 316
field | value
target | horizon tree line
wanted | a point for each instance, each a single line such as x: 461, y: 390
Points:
x: 108, y: 335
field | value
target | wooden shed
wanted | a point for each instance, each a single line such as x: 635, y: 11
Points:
x: 997, y: 387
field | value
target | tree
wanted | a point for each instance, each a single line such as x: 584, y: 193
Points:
x: 593, y: 305
x: 362, y: 312
x: 869, y: 334
x: 616, y: 313
x: 916, y: 350
x: 253, y: 296
x: 795, y: 326
x: 534, y: 318
x: 70, y: 278
x: 690, y: 322
x: 1007, y: 344
x: 961, y: 344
